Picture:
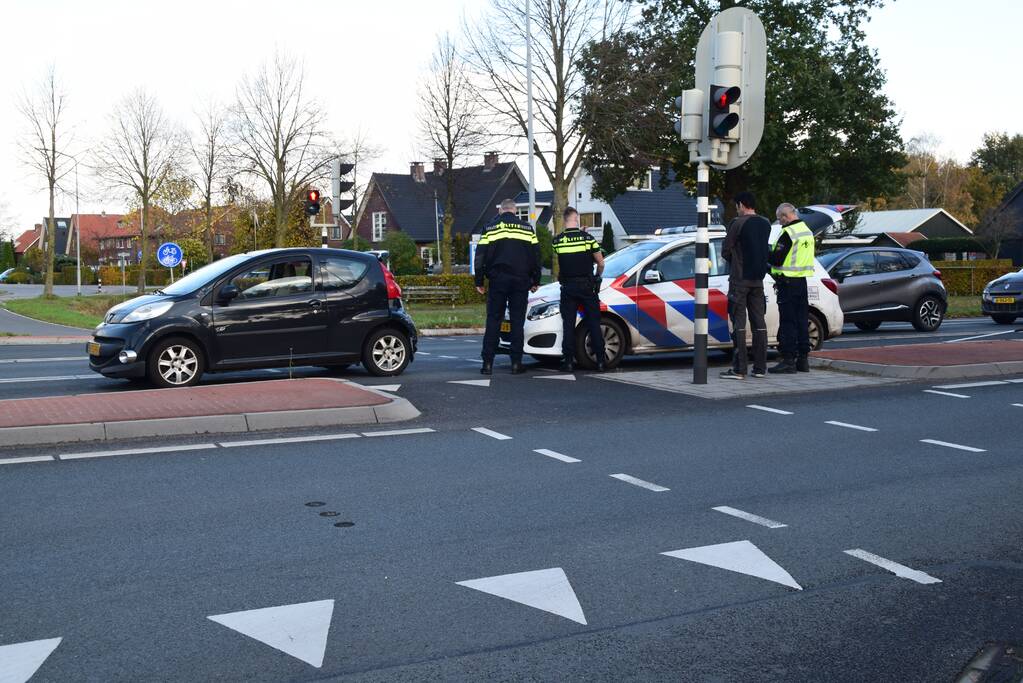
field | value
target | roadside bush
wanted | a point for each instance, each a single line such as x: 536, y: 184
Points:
x: 111, y: 275
x: 68, y: 276
x: 965, y: 278
x: 467, y: 293
x: 18, y: 278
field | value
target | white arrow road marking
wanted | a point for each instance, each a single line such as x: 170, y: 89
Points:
x: 739, y: 556
x: 384, y: 387
x: 299, y: 630
x: 749, y: 517
x: 555, y: 455
x: 491, y: 433
x: 900, y: 570
x: 570, y: 378
x: 20, y: 661
x: 544, y: 589
x: 471, y: 382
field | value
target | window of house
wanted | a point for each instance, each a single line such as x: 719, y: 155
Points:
x: 591, y: 220
x: 219, y: 239
x: 341, y: 273
x: 644, y: 182
x: 379, y: 225
x: 335, y: 232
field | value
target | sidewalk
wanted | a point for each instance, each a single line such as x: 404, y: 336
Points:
x: 223, y: 408
x: 927, y: 361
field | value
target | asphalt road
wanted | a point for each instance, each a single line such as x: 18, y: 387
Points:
x: 479, y: 550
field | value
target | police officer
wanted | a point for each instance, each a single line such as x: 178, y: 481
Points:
x: 577, y: 251
x: 508, y: 256
x: 791, y: 264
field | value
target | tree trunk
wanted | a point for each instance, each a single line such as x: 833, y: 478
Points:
x: 560, y: 188
x: 51, y: 249
x: 209, y: 228
x: 143, y: 245
x: 281, y: 221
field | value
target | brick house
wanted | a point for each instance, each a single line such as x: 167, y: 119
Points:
x: 410, y: 202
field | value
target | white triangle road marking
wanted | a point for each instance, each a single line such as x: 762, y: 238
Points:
x: 299, y: 630
x: 544, y: 589
x: 471, y: 382
x: 738, y: 556
x: 570, y: 378
x: 385, y: 387
x: 20, y: 661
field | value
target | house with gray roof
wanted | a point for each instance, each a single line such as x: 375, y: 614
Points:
x: 930, y: 223
x: 1011, y: 210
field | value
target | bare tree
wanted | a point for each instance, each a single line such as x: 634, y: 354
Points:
x: 141, y: 151
x: 44, y: 150
x: 449, y: 121
x: 996, y: 227
x: 359, y: 150
x: 210, y: 153
x: 279, y: 135
x: 496, y: 50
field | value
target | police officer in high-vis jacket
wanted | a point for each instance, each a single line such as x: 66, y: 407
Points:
x: 577, y: 252
x: 508, y: 256
x: 792, y: 262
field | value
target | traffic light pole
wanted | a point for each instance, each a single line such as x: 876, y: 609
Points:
x: 702, y: 273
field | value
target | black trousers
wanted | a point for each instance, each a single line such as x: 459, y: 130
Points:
x: 748, y: 299
x: 506, y: 292
x: 573, y: 295
x: 793, y: 313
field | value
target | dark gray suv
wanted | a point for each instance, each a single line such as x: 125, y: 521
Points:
x: 879, y: 284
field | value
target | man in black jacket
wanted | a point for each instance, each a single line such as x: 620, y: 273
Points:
x: 747, y: 249
x: 508, y: 256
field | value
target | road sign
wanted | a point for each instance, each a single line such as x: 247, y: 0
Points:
x: 169, y: 255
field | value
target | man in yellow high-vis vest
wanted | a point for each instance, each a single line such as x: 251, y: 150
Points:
x: 792, y: 262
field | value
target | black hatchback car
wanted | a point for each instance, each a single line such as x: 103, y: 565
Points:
x: 1003, y: 298
x: 263, y: 309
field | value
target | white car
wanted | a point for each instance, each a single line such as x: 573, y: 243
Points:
x: 647, y: 303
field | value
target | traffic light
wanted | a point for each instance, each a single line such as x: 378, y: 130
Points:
x: 722, y: 118
x: 312, y: 202
x: 690, y: 123
x: 339, y: 186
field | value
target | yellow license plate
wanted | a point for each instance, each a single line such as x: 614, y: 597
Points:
x: 92, y: 348
x: 506, y: 326
x: 1005, y: 299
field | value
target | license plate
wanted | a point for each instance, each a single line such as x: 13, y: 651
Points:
x: 506, y: 326
x: 1005, y: 299
x: 92, y: 348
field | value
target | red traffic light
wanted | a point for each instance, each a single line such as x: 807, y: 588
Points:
x: 313, y: 195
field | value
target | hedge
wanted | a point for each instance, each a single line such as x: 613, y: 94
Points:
x: 18, y: 277
x: 69, y: 276
x: 467, y: 293
x: 111, y: 275
x: 968, y: 278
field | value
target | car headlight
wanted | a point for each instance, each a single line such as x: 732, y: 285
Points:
x: 147, y: 312
x: 544, y: 310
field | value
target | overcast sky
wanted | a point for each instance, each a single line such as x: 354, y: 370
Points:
x: 366, y: 58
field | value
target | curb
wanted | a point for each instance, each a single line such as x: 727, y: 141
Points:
x: 397, y: 410
x: 452, y: 332
x: 921, y: 371
x: 31, y: 340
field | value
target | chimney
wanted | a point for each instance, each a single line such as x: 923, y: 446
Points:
x: 417, y: 171
x: 490, y: 160
x: 439, y: 166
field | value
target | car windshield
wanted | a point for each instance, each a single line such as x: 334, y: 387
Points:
x: 204, y: 275
x: 617, y: 263
x: 828, y: 258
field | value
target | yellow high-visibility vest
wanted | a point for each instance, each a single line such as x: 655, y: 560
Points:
x: 799, y: 261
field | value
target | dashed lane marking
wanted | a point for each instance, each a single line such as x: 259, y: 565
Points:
x: 400, y: 432
x: 491, y: 433
x: 776, y: 411
x: 1018, y: 405
x: 293, y: 439
x: 449, y: 357
x: 979, y: 336
x: 51, y: 378
x: 43, y: 360
x: 971, y: 385
x: 957, y: 446
x: 945, y: 393
x: 749, y: 517
x: 850, y: 426
x: 423, y: 353
x: 555, y: 455
x: 629, y: 479
x: 27, y: 458
x: 137, y: 451
x: 900, y: 570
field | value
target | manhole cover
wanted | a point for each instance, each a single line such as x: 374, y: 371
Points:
x: 995, y: 663
x: 330, y: 513
x: 315, y: 504
x: 344, y: 525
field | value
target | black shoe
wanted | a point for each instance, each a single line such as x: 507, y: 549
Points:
x: 803, y: 364
x: 601, y: 366
x: 731, y: 374
x: 566, y: 366
x: 517, y: 368
x: 488, y: 368
x: 786, y: 367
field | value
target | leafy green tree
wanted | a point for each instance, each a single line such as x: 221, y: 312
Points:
x: 404, y: 257
x: 6, y: 255
x: 543, y: 235
x: 33, y: 260
x: 195, y: 252
x: 356, y: 243
x: 1001, y: 157
x: 831, y: 134
x: 460, y: 242
x: 607, y: 238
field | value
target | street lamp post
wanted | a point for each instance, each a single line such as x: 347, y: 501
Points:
x: 529, y: 109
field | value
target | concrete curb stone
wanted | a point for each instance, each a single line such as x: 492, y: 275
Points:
x: 921, y: 371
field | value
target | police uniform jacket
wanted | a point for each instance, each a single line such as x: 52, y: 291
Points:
x: 509, y: 247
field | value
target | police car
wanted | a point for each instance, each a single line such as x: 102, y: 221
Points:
x: 648, y: 302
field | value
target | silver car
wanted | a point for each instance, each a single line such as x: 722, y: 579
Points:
x: 879, y: 284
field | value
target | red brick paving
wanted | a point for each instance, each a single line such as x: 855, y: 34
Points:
x: 958, y: 353
x: 220, y: 399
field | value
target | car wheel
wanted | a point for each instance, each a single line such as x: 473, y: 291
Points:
x: 386, y: 353
x: 816, y: 330
x: 868, y: 327
x: 175, y: 362
x: 614, y: 346
x: 928, y: 314
x: 1004, y: 319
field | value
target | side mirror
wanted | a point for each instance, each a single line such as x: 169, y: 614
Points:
x: 228, y: 292
x: 652, y: 276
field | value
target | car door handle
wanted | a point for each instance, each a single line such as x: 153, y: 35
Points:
x: 315, y: 303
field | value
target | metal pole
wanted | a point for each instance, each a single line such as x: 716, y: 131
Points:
x: 529, y: 110
x: 253, y: 228
x: 702, y: 270
x: 78, y: 234
x: 436, y: 224
x: 323, y: 231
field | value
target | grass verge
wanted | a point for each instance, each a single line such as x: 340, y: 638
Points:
x: 441, y: 316
x: 963, y: 307
x: 74, y: 311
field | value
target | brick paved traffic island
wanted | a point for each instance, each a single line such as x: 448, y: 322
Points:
x: 942, y: 360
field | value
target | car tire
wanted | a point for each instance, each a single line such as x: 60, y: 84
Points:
x: 386, y: 353
x: 868, y: 326
x: 175, y: 362
x: 816, y: 329
x: 1004, y: 319
x: 928, y: 314
x: 614, y: 346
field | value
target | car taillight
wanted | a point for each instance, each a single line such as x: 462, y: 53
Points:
x: 830, y: 284
x: 937, y: 273
x: 393, y: 290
